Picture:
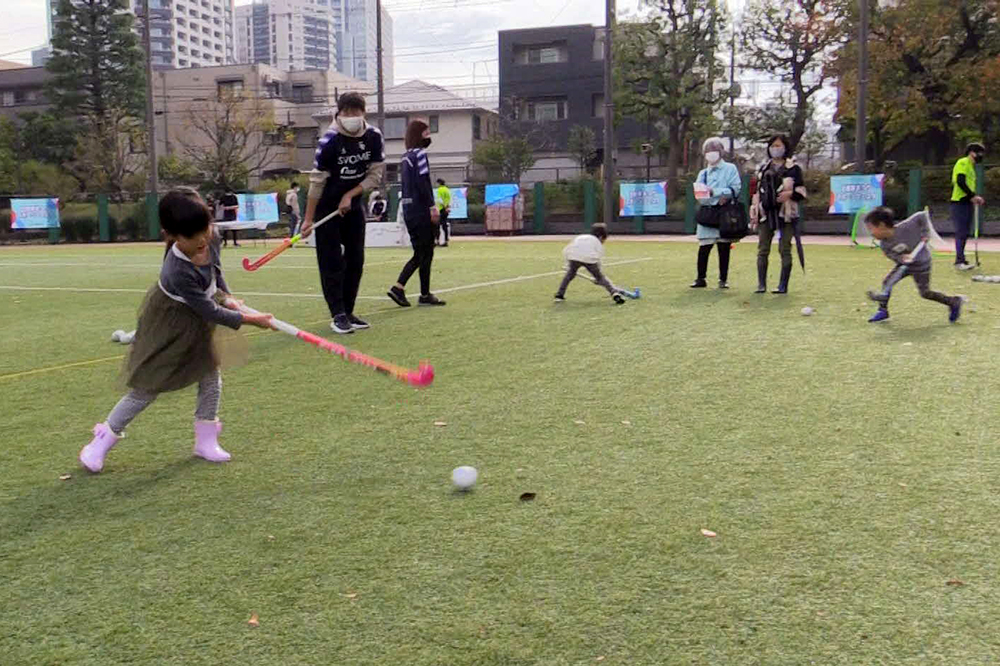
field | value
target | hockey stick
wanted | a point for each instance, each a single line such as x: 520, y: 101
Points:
x: 977, y: 235
x: 634, y: 294
x: 287, y: 243
x: 420, y: 377
x: 897, y: 274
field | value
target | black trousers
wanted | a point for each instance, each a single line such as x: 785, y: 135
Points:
x: 445, y: 225
x: 962, y: 214
x: 423, y: 233
x: 703, y: 253
x: 340, y: 252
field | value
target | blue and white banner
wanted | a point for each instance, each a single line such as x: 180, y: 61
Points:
x: 459, y: 203
x: 642, y: 199
x: 258, y: 208
x: 849, y: 194
x: 34, y: 213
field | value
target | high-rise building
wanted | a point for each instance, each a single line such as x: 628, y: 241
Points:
x: 289, y: 34
x: 183, y: 33
x: 357, y: 50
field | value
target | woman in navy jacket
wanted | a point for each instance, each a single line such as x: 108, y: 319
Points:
x: 420, y: 213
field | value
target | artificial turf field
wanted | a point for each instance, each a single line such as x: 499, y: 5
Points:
x: 850, y: 471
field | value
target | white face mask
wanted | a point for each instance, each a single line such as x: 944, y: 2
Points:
x: 776, y: 152
x: 713, y: 157
x: 352, y: 124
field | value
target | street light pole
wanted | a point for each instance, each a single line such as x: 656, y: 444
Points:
x: 154, y: 176
x: 860, y: 139
x: 609, y: 113
x: 380, y: 119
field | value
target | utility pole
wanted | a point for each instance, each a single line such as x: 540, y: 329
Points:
x: 609, y: 114
x: 380, y: 119
x: 154, y: 176
x: 732, y: 89
x: 860, y: 140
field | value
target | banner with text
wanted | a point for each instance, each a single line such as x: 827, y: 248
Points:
x: 642, y: 199
x: 849, y: 194
x: 258, y: 207
x: 459, y: 203
x: 34, y: 213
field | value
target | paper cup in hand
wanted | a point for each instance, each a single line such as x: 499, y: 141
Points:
x: 702, y: 191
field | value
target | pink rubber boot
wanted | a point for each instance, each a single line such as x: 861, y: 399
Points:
x: 206, y: 441
x: 92, y: 455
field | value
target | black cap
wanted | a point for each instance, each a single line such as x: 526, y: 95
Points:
x: 975, y: 147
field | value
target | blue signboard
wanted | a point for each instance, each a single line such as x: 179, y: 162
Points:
x: 258, y: 207
x: 34, y: 213
x: 849, y: 194
x: 642, y: 199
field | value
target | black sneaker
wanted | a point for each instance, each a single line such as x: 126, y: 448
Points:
x: 560, y: 298
x: 699, y: 284
x: 341, y: 324
x: 358, y: 324
x: 618, y: 299
x: 723, y: 284
x: 430, y: 299
x: 398, y: 297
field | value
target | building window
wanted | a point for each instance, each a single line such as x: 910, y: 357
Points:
x: 546, y: 110
x: 541, y: 54
x: 477, y: 127
x: 395, y: 128
x: 228, y: 88
x: 302, y: 93
x: 392, y: 173
x: 7, y: 98
x: 599, y: 44
x: 433, y: 123
x: 597, y: 105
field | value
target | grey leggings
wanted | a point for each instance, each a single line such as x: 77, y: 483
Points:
x: 594, y: 269
x: 136, y: 400
x: 923, y: 280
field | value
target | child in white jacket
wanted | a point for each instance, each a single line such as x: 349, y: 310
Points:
x: 587, y: 250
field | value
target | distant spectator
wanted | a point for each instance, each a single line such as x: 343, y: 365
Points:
x: 230, y: 213
x: 717, y: 184
x: 294, y: 210
x: 963, y: 198
x: 443, y: 198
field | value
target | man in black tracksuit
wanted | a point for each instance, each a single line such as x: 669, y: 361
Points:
x: 349, y: 160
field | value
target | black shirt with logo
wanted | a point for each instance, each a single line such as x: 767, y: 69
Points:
x: 346, y: 159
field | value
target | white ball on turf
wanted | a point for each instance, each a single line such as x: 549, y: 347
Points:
x: 464, y: 477
x: 807, y: 311
x: 127, y: 338
x: 117, y: 335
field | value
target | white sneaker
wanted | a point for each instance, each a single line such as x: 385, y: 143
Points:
x: 964, y: 267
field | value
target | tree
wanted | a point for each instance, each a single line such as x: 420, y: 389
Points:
x: 175, y: 170
x: 665, y: 68
x: 98, y: 85
x: 505, y: 158
x: 795, y: 40
x: 232, y: 139
x: 582, y: 146
x: 755, y: 124
x: 930, y: 70
x: 814, y: 143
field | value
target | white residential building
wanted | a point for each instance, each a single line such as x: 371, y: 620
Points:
x: 183, y: 33
x: 457, y: 125
x: 292, y: 35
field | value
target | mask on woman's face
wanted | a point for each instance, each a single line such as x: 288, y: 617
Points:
x: 425, y: 142
x: 352, y: 124
x: 713, y: 157
x: 776, y: 152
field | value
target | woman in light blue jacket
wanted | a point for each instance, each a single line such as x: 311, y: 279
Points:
x: 717, y: 184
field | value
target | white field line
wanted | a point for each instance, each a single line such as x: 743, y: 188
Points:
x: 477, y: 285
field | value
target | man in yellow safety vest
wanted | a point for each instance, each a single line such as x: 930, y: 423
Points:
x: 963, y: 198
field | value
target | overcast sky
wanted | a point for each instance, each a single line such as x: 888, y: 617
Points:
x: 453, y: 44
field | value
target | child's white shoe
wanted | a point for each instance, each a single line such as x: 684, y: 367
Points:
x: 206, y: 441
x: 93, y: 454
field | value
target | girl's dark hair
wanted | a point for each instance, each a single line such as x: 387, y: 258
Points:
x: 881, y: 216
x: 351, y: 100
x: 599, y: 230
x: 784, y: 142
x: 184, y: 213
x: 415, y: 133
